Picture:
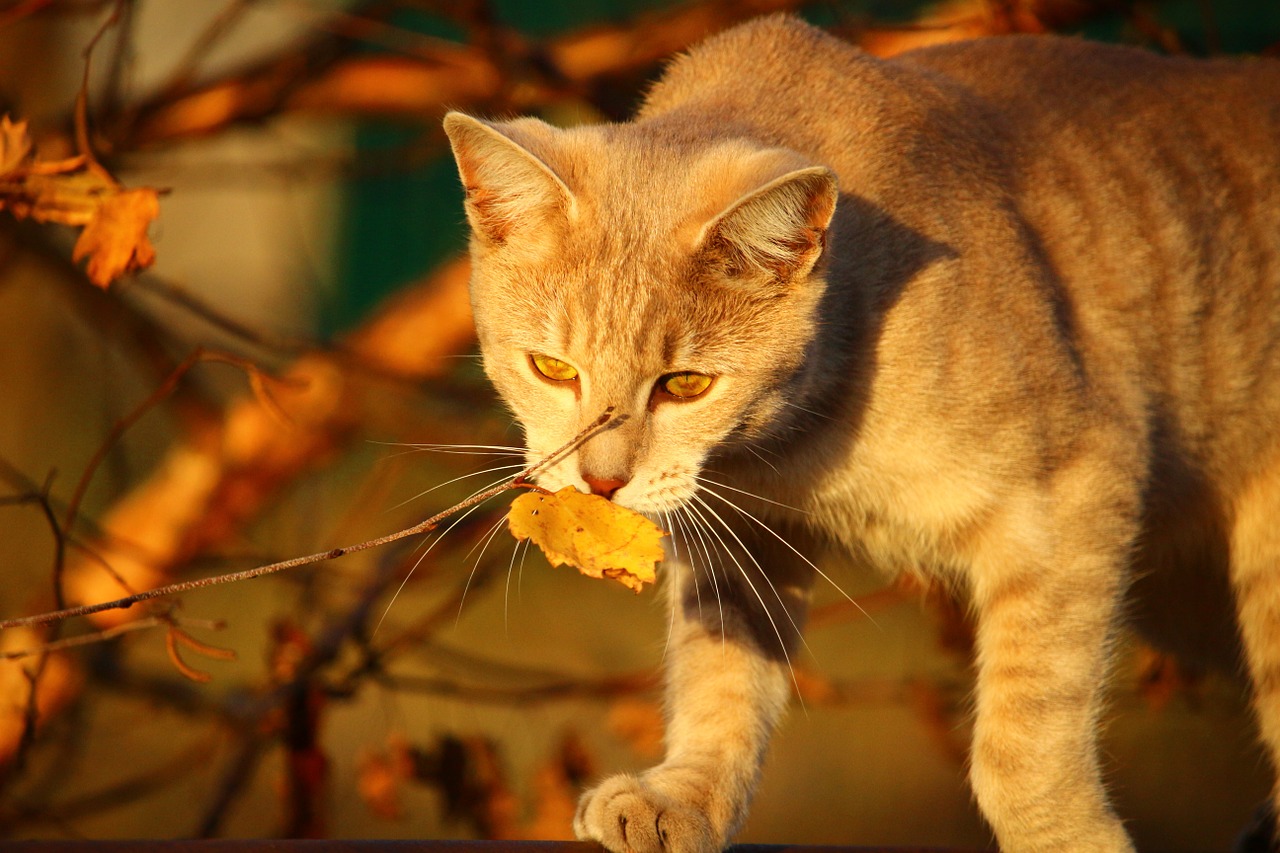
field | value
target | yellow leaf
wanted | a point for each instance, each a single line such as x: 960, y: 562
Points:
x: 78, y: 192
x: 115, y: 238
x: 67, y: 198
x: 595, y: 535
x: 15, y: 145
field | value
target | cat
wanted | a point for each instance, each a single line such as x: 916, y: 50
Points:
x: 1004, y: 314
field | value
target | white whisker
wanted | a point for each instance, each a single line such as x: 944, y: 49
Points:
x: 463, y: 477
x: 807, y: 411
x: 423, y: 556
x: 708, y: 567
x: 759, y: 568
x: 709, y: 570
x: 666, y: 525
x: 782, y: 646
x: 493, y: 528
x: 717, y: 483
x: 793, y: 550
x: 524, y: 552
x: 674, y: 598
x: 754, y: 451
x: 449, y: 448
x: 472, y: 574
x: 483, y: 544
x: 699, y: 523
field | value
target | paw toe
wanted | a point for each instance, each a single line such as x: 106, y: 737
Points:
x: 628, y: 816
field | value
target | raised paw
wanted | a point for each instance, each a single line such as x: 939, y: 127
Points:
x: 631, y: 815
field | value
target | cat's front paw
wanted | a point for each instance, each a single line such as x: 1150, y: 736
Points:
x: 628, y: 814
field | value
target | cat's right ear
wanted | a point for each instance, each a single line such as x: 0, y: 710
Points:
x: 509, y: 189
x: 773, y: 236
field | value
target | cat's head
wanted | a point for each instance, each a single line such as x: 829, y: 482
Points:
x: 633, y: 267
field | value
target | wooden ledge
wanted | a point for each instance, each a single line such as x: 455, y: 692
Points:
x: 353, y: 846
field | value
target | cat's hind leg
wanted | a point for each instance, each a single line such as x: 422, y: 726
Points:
x: 1255, y: 578
x: 736, y: 626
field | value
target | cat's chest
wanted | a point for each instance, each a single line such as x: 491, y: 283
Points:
x: 910, y: 514
x: 916, y: 531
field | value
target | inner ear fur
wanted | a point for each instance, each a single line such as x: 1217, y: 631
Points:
x: 508, y: 187
x: 776, y: 233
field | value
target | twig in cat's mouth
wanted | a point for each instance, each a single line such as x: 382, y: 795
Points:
x: 606, y: 419
x: 520, y: 481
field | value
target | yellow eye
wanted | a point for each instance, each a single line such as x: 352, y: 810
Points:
x: 685, y: 385
x: 553, y: 368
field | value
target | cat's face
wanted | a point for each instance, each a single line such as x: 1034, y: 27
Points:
x: 611, y: 275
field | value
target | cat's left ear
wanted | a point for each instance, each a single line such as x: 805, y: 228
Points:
x: 509, y: 188
x: 774, y: 235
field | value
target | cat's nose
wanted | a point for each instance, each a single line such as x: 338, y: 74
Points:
x: 602, y: 486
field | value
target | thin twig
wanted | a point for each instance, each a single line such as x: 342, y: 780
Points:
x: 521, y: 480
x: 103, y: 636
x: 600, y: 423
x: 184, y: 71
x: 84, y: 148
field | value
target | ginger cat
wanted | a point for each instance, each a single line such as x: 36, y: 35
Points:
x: 1004, y: 313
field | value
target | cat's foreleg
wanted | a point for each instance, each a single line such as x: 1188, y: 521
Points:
x: 1048, y: 596
x: 728, y: 681
x: 1255, y: 575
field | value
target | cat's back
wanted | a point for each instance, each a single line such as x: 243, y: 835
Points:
x: 1152, y: 185
x: 1005, y: 93
x: 1144, y: 191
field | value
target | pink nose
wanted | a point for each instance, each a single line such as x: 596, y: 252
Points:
x: 603, y: 487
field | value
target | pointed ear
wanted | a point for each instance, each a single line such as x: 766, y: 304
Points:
x: 775, y: 234
x: 509, y: 189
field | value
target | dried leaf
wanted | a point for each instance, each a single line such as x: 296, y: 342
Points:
x: 290, y: 647
x: 382, y: 774
x: 595, y: 535
x: 80, y: 193
x: 70, y: 198
x: 379, y: 785
x: 15, y: 145
x: 115, y: 238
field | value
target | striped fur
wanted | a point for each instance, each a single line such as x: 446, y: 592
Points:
x: 1033, y: 352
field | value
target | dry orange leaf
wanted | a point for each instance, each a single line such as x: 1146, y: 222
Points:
x: 80, y: 193
x: 595, y: 535
x: 15, y: 145
x: 381, y: 776
x: 115, y: 239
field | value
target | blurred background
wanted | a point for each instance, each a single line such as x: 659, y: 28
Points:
x: 266, y: 388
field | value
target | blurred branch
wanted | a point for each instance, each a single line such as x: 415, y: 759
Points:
x: 104, y: 635
x: 323, y: 74
x: 40, y: 497
x: 216, y: 479
x: 185, y: 69
x: 164, y: 390
x: 566, y: 689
